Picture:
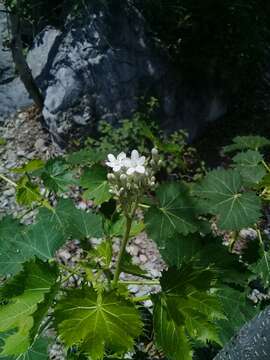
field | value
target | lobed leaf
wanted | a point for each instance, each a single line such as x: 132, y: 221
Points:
x: 97, y: 323
x: 246, y: 142
x: 223, y: 196
x: 249, y: 165
x: 37, y: 351
x: 94, y: 181
x: 174, y: 214
x: 238, y: 311
x: 185, y: 310
x: 26, y: 302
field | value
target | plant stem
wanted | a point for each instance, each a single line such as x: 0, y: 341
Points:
x: 140, y: 282
x: 266, y: 166
x: 122, y: 250
x: 141, y: 298
x: 144, y: 206
x: 3, y: 177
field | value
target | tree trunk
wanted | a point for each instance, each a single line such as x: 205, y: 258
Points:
x: 20, y: 61
x: 252, y: 342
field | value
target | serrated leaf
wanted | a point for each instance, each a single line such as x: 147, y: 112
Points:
x: 170, y: 336
x: 262, y: 268
x: 74, y: 222
x: 19, y: 312
x: 238, y: 311
x: 175, y: 214
x: 223, y: 196
x: 57, y: 176
x: 185, y: 309
x: 105, y: 252
x: 20, y: 243
x: 247, y: 142
x: 85, y: 157
x: 94, y: 180
x: 249, y: 165
x: 97, y: 322
x: 206, y: 251
x: 30, y: 167
x: 38, y: 351
x: 27, y: 192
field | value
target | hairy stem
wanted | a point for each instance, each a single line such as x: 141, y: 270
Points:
x: 122, y: 250
x: 141, y: 298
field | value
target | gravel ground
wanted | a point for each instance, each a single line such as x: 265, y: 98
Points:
x: 25, y: 139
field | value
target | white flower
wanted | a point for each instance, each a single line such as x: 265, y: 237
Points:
x: 135, y: 163
x: 116, y: 163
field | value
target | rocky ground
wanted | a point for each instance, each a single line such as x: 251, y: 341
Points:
x: 22, y: 138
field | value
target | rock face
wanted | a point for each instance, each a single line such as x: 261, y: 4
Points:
x: 252, y: 341
x: 12, y: 92
x: 101, y: 64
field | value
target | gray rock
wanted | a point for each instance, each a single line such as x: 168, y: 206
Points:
x: 252, y: 341
x: 101, y: 64
x: 13, y: 94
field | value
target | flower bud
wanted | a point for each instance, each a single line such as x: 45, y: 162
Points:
x: 111, y: 191
x: 153, y: 179
x: 121, y: 191
x: 154, y: 152
x: 123, y: 177
x: 110, y: 177
x: 160, y: 163
x: 152, y: 162
x: 152, y: 184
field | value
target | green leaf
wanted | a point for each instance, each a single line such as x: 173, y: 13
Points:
x: 246, y: 142
x: 85, y: 157
x: 30, y: 167
x: 94, y: 180
x: 105, y: 252
x: 170, y: 336
x: 57, y: 176
x: 25, y: 296
x: 97, y: 322
x: 38, y: 351
x: 73, y: 222
x: 117, y: 228
x: 249, y: 165
x: 238, y: 311
x: 27, y: 192
x: 185, y: 309
x: 262, y: 268
x: 221, y: 191
x: 128, y: 267
x: 206, y: 251
x: 20, y: 243
x: 181, y: 249
x: 175, y: 214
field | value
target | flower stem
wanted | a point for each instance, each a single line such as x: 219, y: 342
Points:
x: 140, y: 282
x: 122, y: 251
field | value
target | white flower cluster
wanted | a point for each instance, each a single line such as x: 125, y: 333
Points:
x: 133, y: 174
x: 134, y: 164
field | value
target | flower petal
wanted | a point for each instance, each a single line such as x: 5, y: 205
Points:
x: 110, y: 164
x: 111, y: 157
x: 130, y: 171
x: 121, y: 156
x: 134, y: 155
x: 140, y: 169
x: 141, y: 160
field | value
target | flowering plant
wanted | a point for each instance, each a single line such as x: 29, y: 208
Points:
x: 98, y: 317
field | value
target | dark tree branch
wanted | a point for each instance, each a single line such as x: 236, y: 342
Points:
x: 20, y: 61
